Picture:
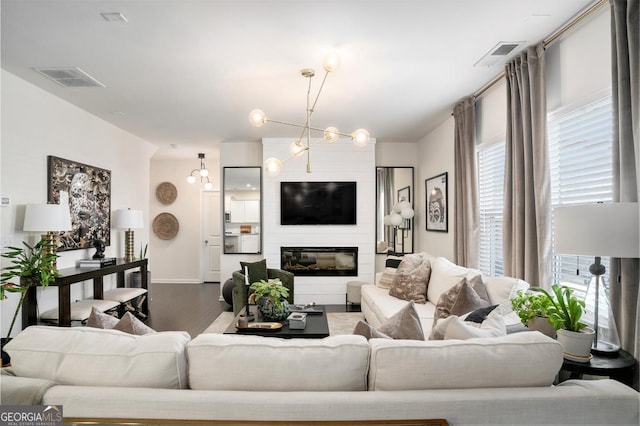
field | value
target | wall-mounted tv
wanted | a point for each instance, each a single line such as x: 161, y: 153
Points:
x: 318, y: 203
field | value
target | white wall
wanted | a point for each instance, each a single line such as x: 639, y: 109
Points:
x: 340, y: 161
x: 179, y: 260
x: 435, y: 151
x: 36, y: 124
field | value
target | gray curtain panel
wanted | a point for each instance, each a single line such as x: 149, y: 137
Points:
x: 466, y: 226
x: 625, y: 52
x: 527, y: 189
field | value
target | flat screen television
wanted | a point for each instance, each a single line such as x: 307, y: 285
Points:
x: 318, y: 203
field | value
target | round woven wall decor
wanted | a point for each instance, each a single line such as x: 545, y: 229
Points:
x: 165, y: 226
x: 166, y: 193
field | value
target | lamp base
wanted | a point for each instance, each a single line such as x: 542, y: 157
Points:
x: 605, y: 348
x: 128, y: 245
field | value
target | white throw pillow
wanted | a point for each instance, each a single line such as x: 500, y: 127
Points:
x: 444, y: 275
x: 493, y: 326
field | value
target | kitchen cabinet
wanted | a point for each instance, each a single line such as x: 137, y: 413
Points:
x: 249, y: 243
x: 244, y: 211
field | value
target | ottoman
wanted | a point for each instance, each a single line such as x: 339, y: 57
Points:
x: 353, y: 292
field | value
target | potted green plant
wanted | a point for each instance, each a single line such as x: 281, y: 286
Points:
x: 270, y: 296
x: 565, y: 313
x: 532, y: 309
x: 31, y: 265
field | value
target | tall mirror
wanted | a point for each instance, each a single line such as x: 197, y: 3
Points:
x: 394, y: 227
x: 242, y: 188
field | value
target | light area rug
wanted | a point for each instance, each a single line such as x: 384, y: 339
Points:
x: 339, y: 322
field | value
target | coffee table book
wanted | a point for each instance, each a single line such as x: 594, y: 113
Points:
x: 97, y: 263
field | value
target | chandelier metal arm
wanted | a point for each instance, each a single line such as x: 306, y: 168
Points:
x: 269, y: 120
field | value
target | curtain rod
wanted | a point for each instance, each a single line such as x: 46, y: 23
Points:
x: 553, y: 37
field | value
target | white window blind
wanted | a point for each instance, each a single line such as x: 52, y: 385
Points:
x: 580, y: 147
x: 490, y: 159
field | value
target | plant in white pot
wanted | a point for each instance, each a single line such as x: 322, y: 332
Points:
x: 532, y: 309
x: 565, y: 312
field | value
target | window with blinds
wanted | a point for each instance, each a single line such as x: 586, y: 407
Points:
x: 490, y: 158
x: 580, y: 149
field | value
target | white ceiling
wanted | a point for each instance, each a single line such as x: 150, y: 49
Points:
x: 187, y: 72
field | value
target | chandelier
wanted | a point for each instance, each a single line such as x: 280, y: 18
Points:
x: 203, y: 173
x: 257, y: 118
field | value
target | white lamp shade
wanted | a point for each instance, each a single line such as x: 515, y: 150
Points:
x: 127, y: 219
x: 47, y: 218
x: 598, y: 230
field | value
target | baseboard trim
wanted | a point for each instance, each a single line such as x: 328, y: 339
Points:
x: 421, y: 422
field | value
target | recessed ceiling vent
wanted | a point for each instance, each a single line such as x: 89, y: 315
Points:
x: 70, y: 77
x: 499, y: 54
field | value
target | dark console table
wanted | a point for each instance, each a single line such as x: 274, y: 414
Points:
x: 70, y: 276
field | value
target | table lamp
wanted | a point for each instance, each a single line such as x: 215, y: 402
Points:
x: 49, y: 219
x: 603, y: 229
x: 129, y: 220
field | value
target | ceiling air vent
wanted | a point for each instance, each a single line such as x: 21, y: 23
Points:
x: 70, y: 77
x: 498, y: 54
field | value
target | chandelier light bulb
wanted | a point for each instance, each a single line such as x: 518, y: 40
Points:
x: 208, y: 186
x: 204, y: 172
x: 360, y: 137
x: 331, y: 61
x: 272, y: 166
x: 191, y: 179
x: 257, y: 118
x: 296, y: 148
x: 395, y: 219
x: 402, y: 205
x: 331, y: 134
x: 387, y: 220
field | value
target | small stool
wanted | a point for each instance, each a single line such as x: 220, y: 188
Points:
x: 81, y: 309
x: 125, y: 297
x: 353, y: 292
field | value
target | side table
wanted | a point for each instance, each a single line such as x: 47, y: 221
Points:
x: 621, y: 367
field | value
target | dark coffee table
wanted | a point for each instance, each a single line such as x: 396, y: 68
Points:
x: 317, y: 327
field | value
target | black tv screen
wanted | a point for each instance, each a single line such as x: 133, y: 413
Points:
x: 318, y: 203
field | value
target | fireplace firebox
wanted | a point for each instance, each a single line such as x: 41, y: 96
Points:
x: 320, y: 261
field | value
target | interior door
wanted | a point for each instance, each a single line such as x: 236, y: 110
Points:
x: 212, y: 236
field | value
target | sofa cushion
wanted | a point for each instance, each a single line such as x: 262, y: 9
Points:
x: 412, y: 277
x: 460, y: 299
x: 517, y: 360
x: 257, y: 270
x: 255, y: 363
x: 390, y: 267
x: 454, y: 327
x: 99, y: 319
x: 445, y: 275
x: 405, y: 324
x: 383, y: 307
x: 88, y: 356
x: 132, y: 325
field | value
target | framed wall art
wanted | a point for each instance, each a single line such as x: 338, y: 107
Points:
x: 437, y: 203
x: 87, y: 189
x: 404, y: 194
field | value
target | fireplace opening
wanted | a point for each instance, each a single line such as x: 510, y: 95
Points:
x: 320, y: 261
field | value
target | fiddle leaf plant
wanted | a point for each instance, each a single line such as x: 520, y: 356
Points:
x: 272, y: 288
x: 565, y: 310
x: 30, y: 265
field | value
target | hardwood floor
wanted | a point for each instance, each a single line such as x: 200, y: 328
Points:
x: 188, y: 307
x: 193, y: 307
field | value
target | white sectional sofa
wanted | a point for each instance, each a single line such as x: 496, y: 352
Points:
x: 109, y: 376
x: 378, y: 306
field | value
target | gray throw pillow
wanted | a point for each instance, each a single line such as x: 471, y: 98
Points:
x: 99, y: 319
x: 257, y: 270
x: 132, y: 325
x: 412, y: 278
x: 404, y: 324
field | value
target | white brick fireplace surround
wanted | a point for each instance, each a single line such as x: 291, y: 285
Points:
x: 340, y: 161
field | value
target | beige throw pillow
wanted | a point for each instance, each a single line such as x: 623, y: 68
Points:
x: 132, y: 325
x: 454, y: 327
x: 462, y: 298
x: 99, y: 319
x: 404, y: 324
x: 390, y: 268
x: 412, y: 279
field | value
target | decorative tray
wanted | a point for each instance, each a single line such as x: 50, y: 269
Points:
x: 306, y: 309
x: 266, y: 326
